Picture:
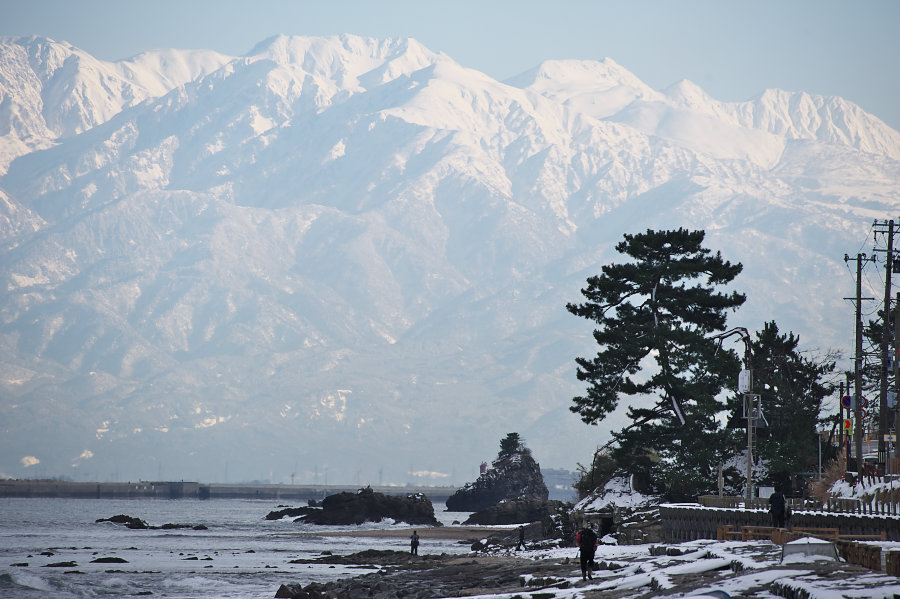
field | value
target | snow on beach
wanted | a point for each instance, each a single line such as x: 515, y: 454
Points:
x: 703, y: 567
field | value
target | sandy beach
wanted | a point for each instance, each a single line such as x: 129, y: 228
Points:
x: 462, y: 533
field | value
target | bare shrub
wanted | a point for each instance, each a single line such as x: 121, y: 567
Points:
x: 818, y: 489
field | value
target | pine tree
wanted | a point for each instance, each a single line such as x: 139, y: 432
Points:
x: 791, y: 388
x: 510, y: 445
x: 655, y: 315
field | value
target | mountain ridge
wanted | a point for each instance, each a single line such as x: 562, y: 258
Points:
x: 351, y: 253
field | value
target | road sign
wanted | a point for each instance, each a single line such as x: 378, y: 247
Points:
x: 848, y: 424
x: 846, y: 401
x: 890, y: 438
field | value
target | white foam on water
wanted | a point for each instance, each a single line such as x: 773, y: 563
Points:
x: 28, y: 580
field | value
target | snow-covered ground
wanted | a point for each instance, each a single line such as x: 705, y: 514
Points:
x: 705, y: 567
x: 617, y: 492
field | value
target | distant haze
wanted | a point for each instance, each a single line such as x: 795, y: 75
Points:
x: 347, y: 259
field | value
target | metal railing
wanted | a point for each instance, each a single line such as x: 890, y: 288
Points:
x: 879, y: 503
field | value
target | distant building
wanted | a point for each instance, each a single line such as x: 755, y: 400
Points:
x: 560, y: 483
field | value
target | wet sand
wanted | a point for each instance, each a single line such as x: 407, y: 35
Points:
x: 462, y: 533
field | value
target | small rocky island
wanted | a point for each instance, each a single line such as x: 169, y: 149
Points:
x: 513, y: 477
x: 138, y: 524
x: 364, y: 506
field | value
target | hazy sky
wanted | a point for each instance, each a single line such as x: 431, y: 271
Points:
x: 734, y: 50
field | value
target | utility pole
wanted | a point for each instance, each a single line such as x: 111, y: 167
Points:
x: 857, y: 366
x: 883, y: 421
x: 849, y: 442
x: 841, y: 417
x: 752, y: 404
x: 896, y: 355
x: 857, y: 369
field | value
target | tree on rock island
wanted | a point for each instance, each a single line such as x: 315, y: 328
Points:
x: 656, y: 314
x: 510, y: 444
x: 513, y: 475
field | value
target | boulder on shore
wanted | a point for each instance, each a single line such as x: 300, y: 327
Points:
x: 517, y: 511
x: 290, y: 512
x: 368, y: 506
x: 298, y: 591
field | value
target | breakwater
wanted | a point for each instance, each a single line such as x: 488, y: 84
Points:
x: 195, y: 490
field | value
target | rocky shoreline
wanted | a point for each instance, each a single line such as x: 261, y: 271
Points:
x: 421, y: 577
x: 640, y: 572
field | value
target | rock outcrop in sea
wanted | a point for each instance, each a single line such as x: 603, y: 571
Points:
x: 513, y: 475
x: 365, y: 506
x: 138, y: 524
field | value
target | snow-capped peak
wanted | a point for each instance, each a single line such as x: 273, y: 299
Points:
x: 687, y: 94
x: 595, y: 88
x: 344, y: 57
x: 829, y: 119
x: 597, y: 75
x: 55, y: 90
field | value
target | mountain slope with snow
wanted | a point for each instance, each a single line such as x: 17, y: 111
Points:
x: 51, y: 90
x: 353, y: 255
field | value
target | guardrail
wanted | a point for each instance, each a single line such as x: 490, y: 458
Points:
x: 879, y: 503
x: 688, y: 522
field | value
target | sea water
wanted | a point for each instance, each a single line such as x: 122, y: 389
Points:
x: 241, y: 554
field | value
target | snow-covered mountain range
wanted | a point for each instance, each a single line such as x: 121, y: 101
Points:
x: 348, y: 259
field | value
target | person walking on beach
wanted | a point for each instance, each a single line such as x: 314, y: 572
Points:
x: 414, y: 543
x: 587, y: 542
x: 521, y: 544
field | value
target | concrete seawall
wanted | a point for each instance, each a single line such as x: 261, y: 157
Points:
x: 194, y: 490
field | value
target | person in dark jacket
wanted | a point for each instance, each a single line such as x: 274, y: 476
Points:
x: 587, y: 542
x: 414, y: 543
x: 521, y: 544
x: 776, y: 506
